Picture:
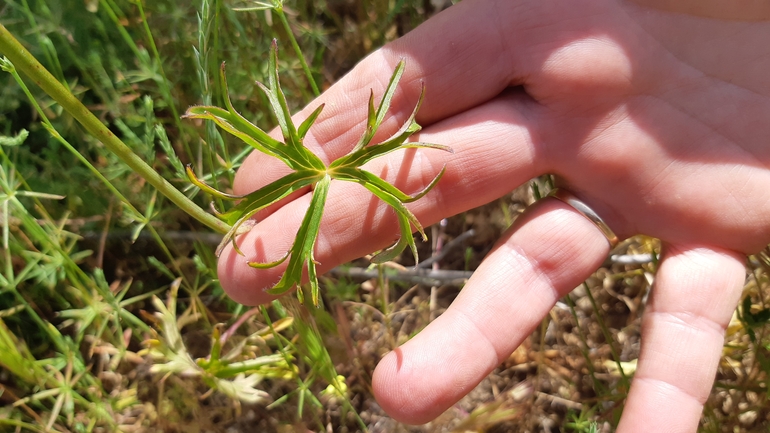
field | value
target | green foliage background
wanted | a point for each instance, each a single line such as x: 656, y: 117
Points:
x: 111, y: 317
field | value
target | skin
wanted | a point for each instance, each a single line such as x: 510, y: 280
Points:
x: 657, y: 119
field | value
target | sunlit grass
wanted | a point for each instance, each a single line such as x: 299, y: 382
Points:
x: 111, y: 317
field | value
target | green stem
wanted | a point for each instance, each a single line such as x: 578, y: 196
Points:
x: 607, y: 336
x: 164, y: 83
x: 599, y: 389
x: 235, y: 368
x: 156, y: 54
x: 26, y: 63
x: 297, y: 50
x: 46, y: 46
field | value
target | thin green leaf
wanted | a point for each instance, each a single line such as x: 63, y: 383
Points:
x: 302, y: 250
x: 229, y: 237
x: 398, y: 207
x: 271, y: 193
x: 259, y: 200
x: 371, y: 118
x: 375, y: 120
x: 395, y: 250
x: 302, y: 158
x: 313, y: 277
x: 305, y: 126
x: 389, y: 92
x: 422, y: 144
x: 225, y: 116
x: 405, y: 218
x: 255, y: 138
x: 259, y: 265
x: 277, y: 98
x: 226, y: 89
x: 207, y: 189
x: 258, y: 6
x: 360, y: 156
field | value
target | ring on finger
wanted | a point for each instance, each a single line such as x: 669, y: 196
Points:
x: 569, y: 199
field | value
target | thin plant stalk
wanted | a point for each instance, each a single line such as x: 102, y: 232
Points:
x: 50, y: 128
x: 297, y: 50
x: 598, y: 387
x: 382, y: 285
x: 26, y: 220
x: 208, y: 24
x: 46, y: 46
x: 164, y: 86
x: 112, y: 10
x: 88, y: 78
x: 77, y: 277
x: 26, y: 63
x: 607, y: 336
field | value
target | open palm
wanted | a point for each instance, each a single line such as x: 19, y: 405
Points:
x: 656, y: 119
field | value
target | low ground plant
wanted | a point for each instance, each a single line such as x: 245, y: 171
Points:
x: 111, y: 316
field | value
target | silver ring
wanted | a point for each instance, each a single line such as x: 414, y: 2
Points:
x: 568, y: 198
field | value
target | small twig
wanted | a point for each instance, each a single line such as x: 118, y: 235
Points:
x: 448, y: 247
x: 170, y: 235
x: 427, y: 277
x: 438, y: 251
x: 630, y: 259
x: 103, y: 236
x: 407, y: 294
x: 559, y: 401
x: 375, y: 312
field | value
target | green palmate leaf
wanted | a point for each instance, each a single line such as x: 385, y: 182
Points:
x: 310, y: 171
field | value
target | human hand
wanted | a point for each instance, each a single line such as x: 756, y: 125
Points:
x: 656, y: 120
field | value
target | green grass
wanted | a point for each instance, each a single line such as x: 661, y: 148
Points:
x: 111, y: 317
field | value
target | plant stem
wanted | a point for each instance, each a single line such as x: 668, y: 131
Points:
x: 163, y: 83
x: 607, y: 336
x: 46, y: 45
x: 25, y: 62
x: 599, y: 389
x: 297, y: 50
